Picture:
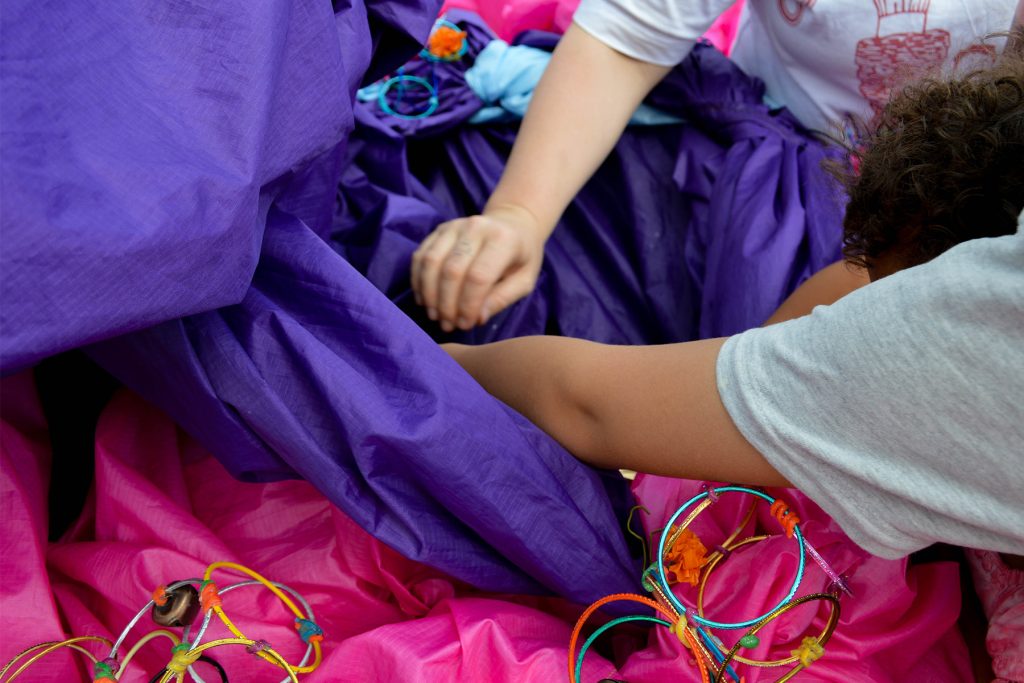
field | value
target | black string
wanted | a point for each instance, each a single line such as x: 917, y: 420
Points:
x: 202, y: 658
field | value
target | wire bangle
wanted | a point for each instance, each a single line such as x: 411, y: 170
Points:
x: 830, y: 627
x: 177, y: 667
x: 601, y: 629
x: 822, y: 638
x: 179, y: 608
x: 152, y: 635
x: 703, y: 502
x: 47, y: 648
x: 314, y: 640
x: 400, y: 79
x: 689, y: 559
x: 209, y: 615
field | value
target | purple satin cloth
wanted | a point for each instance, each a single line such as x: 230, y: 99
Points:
x: 190, y: 194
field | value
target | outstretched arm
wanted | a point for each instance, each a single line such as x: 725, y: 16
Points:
x: 647, y: 408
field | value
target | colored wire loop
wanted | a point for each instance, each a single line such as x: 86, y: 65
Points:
x: 823, y: 637
x: 299, y: 616
x: 47, y: 648
x: 702, y: 501
x: 811, y: 648
x: 576, y: 662
x: 401, y: 80
x: 185, y: 654
x: 182, y: 658
x: 690, y: 560
x: 242, y: 584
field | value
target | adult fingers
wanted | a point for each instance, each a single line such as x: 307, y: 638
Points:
x: 427, y: 263
x: 416, y: 267
x: 453, y: 274
x: 507, y: 292
x: 494, y: 259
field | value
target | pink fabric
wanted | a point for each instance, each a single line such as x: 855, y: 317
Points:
x: 508, y: 18
x: 162, y: 509
x: 1001, y: 590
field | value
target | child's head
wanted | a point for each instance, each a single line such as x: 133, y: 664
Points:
x: 945, y: 164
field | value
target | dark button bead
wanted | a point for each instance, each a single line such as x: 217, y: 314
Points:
x: 181, y: 608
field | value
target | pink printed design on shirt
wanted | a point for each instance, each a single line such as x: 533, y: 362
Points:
x: 793, y: 10
x: 884, y: 62
x: 984, y: 54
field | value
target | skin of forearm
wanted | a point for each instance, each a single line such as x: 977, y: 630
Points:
x: 578, y: 111
x: 827, y: 286
x: 652, y: 409
x: 519, y: 373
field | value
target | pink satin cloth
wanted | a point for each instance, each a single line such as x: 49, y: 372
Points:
x: 161, y: 509
x: 509, y: 18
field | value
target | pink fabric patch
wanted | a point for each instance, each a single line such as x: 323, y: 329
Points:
x: 1001, y: 590
x: 509, y: 18
x: 162, y: 509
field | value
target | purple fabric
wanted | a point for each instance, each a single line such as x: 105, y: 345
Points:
x: 691, y: 231
x: 173, y: 177
x: 314, y: 373
x: 139, y: 142
x: 171, y: 180
x: 764, y: 214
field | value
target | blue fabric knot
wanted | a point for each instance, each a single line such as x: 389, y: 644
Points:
x: 504, y: 77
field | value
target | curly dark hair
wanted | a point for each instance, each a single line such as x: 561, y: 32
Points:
x: 944, y: 164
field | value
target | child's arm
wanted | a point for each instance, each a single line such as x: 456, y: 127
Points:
x: 648, y: 408
x: 827, y: 286
x: 653, y: 408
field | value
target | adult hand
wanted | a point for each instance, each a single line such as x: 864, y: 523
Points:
x: 469, y: 269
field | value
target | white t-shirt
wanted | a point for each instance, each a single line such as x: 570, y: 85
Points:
x: 824, y: 59
x: 900, y: 408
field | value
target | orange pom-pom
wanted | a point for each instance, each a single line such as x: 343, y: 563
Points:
x: 209, y: 597
x: 446, y: 42
x: 686, y: 557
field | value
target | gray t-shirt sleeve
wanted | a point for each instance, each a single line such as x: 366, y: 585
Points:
x: 900, y: 408
x: 656, y: 31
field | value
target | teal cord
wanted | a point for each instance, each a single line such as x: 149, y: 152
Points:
x: 614, y: 622
x: 663, y: 581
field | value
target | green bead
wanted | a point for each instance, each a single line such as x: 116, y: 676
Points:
x: 749, y: 641
x: 648, y: 579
